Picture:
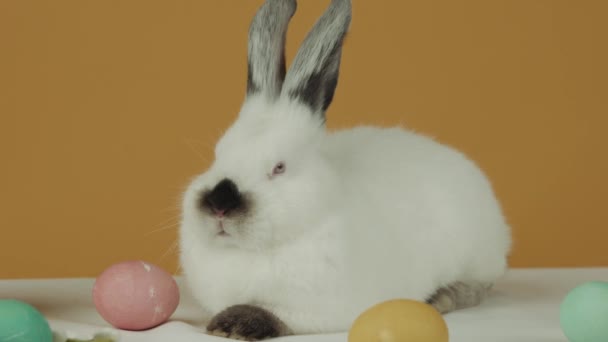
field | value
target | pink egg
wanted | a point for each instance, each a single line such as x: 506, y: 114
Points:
x: 135, y: 295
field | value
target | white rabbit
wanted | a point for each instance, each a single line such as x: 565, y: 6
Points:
x: 296, y: 230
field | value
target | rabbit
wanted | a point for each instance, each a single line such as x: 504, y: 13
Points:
x: 294, y: 229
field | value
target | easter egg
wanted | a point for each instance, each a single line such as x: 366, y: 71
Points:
x: 135, y: 295
x: 399, y: 321
x: 584, y: 313
x: 21, y: 322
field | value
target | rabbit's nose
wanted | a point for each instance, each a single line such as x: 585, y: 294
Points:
x: 219, y: 212
x: 223, y: 199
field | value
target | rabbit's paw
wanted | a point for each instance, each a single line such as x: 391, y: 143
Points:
x: 247, y: 323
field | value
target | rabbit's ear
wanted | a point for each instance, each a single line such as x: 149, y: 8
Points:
x: 313, y: 75
x: 266, y: 47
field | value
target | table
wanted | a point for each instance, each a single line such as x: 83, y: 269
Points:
x: 523, y: 307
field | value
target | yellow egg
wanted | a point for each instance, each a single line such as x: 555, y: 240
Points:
x: 399, y: 321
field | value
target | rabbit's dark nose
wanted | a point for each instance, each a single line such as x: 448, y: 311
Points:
x: 223, y: 199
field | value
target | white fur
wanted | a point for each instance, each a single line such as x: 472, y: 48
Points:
x: 360, y: 216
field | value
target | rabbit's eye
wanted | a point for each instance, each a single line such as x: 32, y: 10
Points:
x: 279, y: 168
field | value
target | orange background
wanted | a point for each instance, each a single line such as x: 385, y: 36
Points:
x: 108, y: 108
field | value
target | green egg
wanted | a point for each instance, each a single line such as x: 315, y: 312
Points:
x: 584, y: 313
x: 21, y: 322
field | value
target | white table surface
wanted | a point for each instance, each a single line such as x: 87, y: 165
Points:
x: 524, y: 307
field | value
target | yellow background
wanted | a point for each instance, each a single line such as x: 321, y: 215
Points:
x: 108, y: 108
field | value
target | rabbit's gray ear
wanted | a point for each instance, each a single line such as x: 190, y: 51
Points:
x: 313, y: 76
x: 266, y: 47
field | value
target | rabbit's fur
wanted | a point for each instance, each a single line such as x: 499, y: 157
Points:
x: 315, y: 226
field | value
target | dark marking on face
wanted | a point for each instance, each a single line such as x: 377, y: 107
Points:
x: 224, y: 199
x: 247, y: 322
